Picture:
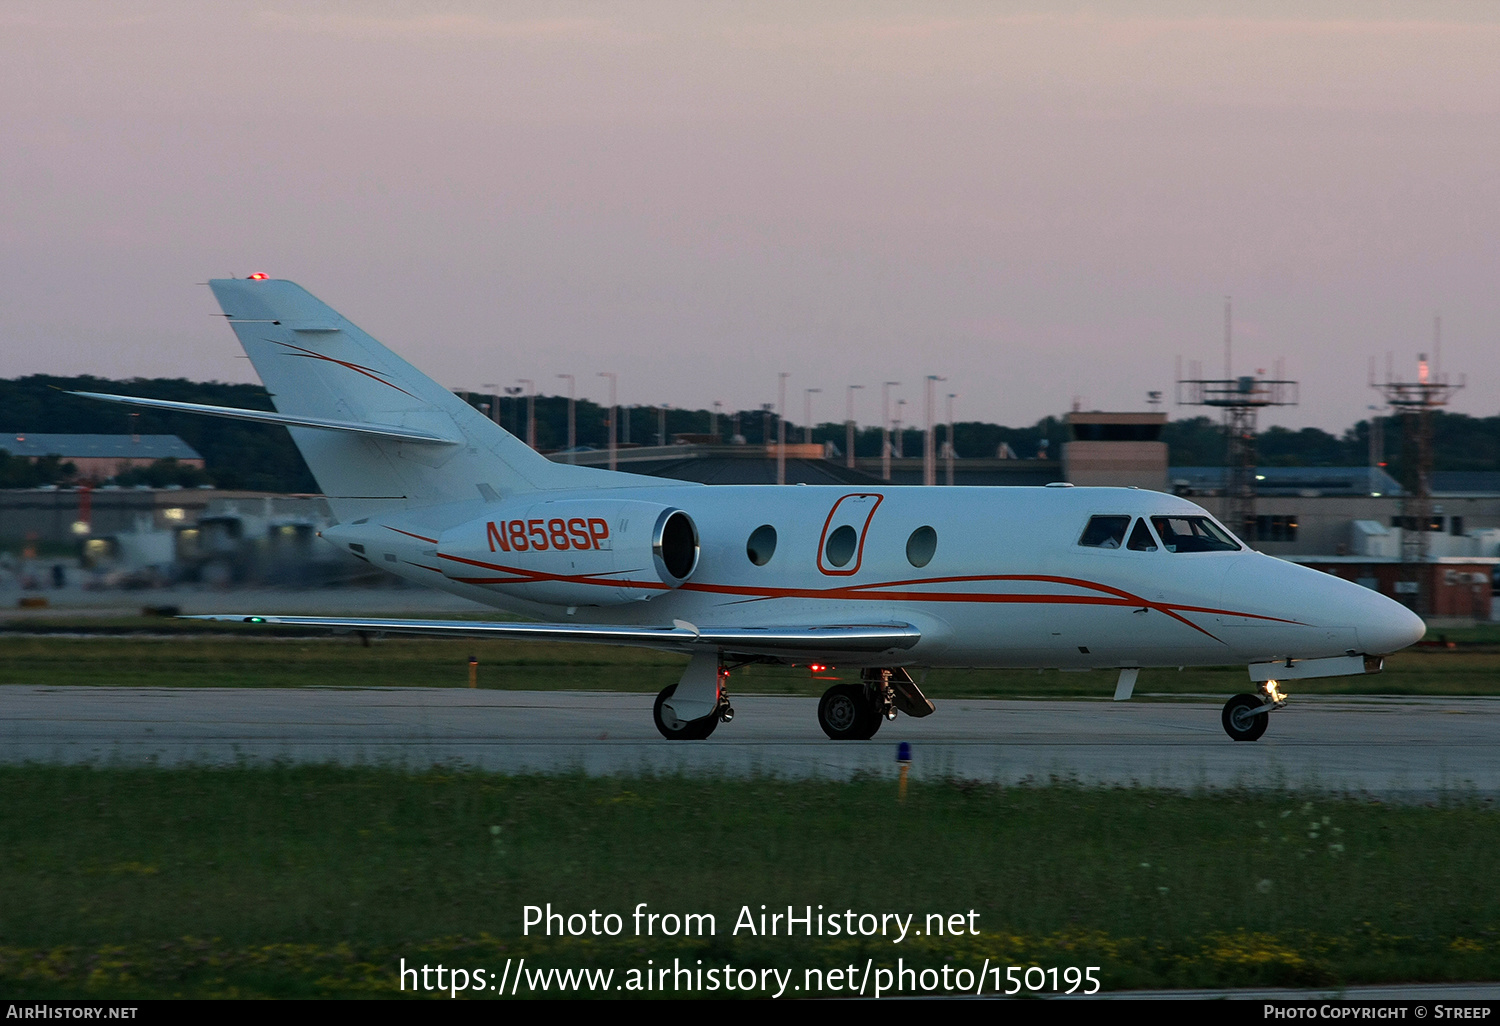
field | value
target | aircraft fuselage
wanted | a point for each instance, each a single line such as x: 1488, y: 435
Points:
x: 1003, y: 579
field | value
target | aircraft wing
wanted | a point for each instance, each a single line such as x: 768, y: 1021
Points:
x: 819, y: 640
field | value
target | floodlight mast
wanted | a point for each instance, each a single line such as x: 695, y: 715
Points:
x: 849, y: 428
x: 781, y: 427
x: 572, y: 417
x: 530, y: 411
x: 1416, y: 401
x: 885, y: 429
x: 929, y: 440
x: 1241, y: 398
x: 613, y: 411
x: 949, y: 453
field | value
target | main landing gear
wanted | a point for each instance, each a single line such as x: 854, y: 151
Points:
x: 1246, y: 716
x: 848, y: 713
x: 854, y: 712
x: 693, y: 708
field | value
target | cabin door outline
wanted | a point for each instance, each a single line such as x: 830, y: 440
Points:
x: 855, y: 510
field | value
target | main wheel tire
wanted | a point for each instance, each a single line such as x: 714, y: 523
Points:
x: 845, y: 714
x: 1240, y: 722
x: 683, y: 730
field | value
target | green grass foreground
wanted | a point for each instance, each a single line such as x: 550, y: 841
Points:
x: 296, y: 882
x: 193, y: 659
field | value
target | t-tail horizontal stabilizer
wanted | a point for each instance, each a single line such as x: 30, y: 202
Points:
x: 265, y: 417
x: 377, y: 434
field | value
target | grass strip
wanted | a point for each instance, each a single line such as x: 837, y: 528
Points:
x: 315, y: 881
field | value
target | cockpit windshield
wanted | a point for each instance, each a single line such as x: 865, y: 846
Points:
x: 1140, y: 538
x: 1105, y: 532
x: 1193, y: 534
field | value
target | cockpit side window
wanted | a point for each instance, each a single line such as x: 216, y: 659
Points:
x: 1193, y: 534
x: 1140, y: 538
x: 1105, y: 532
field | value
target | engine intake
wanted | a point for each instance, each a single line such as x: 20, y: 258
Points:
x: 674, y: 543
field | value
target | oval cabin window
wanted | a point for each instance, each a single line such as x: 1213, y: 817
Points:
x: 921, y: 546
x: 840, y: 547
x: 762, y: 545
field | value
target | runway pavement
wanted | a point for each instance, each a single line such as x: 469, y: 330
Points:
x: 1414, y: 748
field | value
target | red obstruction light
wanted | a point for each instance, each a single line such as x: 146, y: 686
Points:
x: 258, y: 276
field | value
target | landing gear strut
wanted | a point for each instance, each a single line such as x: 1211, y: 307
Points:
x: 1247, y: 716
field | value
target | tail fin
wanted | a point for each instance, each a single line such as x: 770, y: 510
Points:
x: 319, y: 366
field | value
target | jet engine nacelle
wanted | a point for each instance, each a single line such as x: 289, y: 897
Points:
x: 575, y: 552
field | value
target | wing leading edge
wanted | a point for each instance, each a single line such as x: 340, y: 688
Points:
x: 681, y: 636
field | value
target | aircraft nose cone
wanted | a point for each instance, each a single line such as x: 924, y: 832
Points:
x: 1388, y: 626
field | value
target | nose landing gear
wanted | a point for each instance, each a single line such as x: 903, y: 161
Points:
x: 1247, y: 716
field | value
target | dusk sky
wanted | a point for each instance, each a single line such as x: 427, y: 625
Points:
x: 1038, y: 201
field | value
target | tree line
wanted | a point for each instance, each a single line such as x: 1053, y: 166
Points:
x: 260, y: 457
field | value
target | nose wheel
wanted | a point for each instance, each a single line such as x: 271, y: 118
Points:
x: 1247, y: 716
x: 1243, y: 720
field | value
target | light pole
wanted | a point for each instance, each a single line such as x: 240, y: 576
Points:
x: 611, y: 376
x: 515, y: 408
x: 849, y: 428
x: 494, y: 404
x: 951, y: 454
x: 900, y: 453
x: 572, y: 423
x: 713, y: 419
x: 929, y: 443
x: 885, y: 429
x: 661, y: 429
x: 807, y: 394
x: 530, y: 411
x: 781, y: 427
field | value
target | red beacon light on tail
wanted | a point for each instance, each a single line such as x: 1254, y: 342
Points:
x: 258, y: 276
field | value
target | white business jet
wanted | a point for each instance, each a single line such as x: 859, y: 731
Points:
x: 880, y: 581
